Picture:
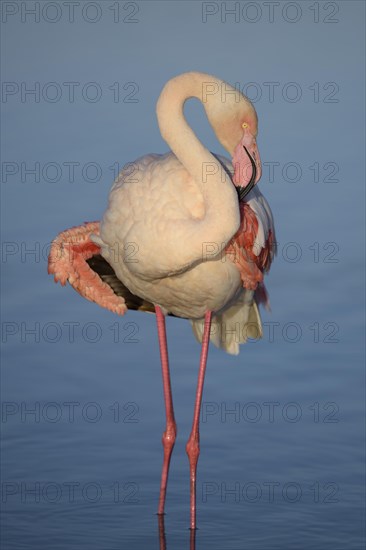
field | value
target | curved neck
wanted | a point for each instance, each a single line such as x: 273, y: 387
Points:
x: 198, y: 160
x: 226, y: 115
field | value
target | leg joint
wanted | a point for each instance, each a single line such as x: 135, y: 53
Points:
x: 193, y: 449
x: 169, y: 436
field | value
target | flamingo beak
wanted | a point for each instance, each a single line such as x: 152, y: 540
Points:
x: 247, y: 164
x: 243, y: 191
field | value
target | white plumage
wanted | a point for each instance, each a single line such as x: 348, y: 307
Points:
x: 154, y: 211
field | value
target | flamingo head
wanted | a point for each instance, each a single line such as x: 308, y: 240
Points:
x: 246, y: 162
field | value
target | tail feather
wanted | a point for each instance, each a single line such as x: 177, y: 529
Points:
x: 233, y: 326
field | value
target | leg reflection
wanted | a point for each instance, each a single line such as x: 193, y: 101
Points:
x: 162, y: 537
x: 192, y: 542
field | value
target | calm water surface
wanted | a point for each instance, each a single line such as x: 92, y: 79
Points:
x: 282, y: 433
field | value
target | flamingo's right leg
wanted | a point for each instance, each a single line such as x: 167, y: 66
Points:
x: 193, y: 444
x: 170, y: 433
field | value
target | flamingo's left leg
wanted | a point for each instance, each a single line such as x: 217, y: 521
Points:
x: 170, y: 433
x: 193, y: 444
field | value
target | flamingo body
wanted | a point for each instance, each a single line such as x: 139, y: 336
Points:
x: 159, y: 203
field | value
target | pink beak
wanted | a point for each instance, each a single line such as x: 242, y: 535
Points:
x: 247, y: 162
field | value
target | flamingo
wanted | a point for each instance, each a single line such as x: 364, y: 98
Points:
x: 185, y: 233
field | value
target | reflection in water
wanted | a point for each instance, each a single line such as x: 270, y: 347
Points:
x: 192, y: 545
x: 162, y: 537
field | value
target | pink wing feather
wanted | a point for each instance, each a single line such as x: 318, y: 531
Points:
x: 240, y: 250
x: 68, y: 262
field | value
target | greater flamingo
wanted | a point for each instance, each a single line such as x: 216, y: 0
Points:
x: 184, y: 234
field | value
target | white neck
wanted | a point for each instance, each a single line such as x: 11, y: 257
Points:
x: 226, y: 113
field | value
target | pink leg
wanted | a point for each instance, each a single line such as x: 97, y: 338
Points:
x: 170, y: 433
x: 193, y: 444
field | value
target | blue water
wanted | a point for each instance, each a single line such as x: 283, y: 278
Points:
x: 282, y: 425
